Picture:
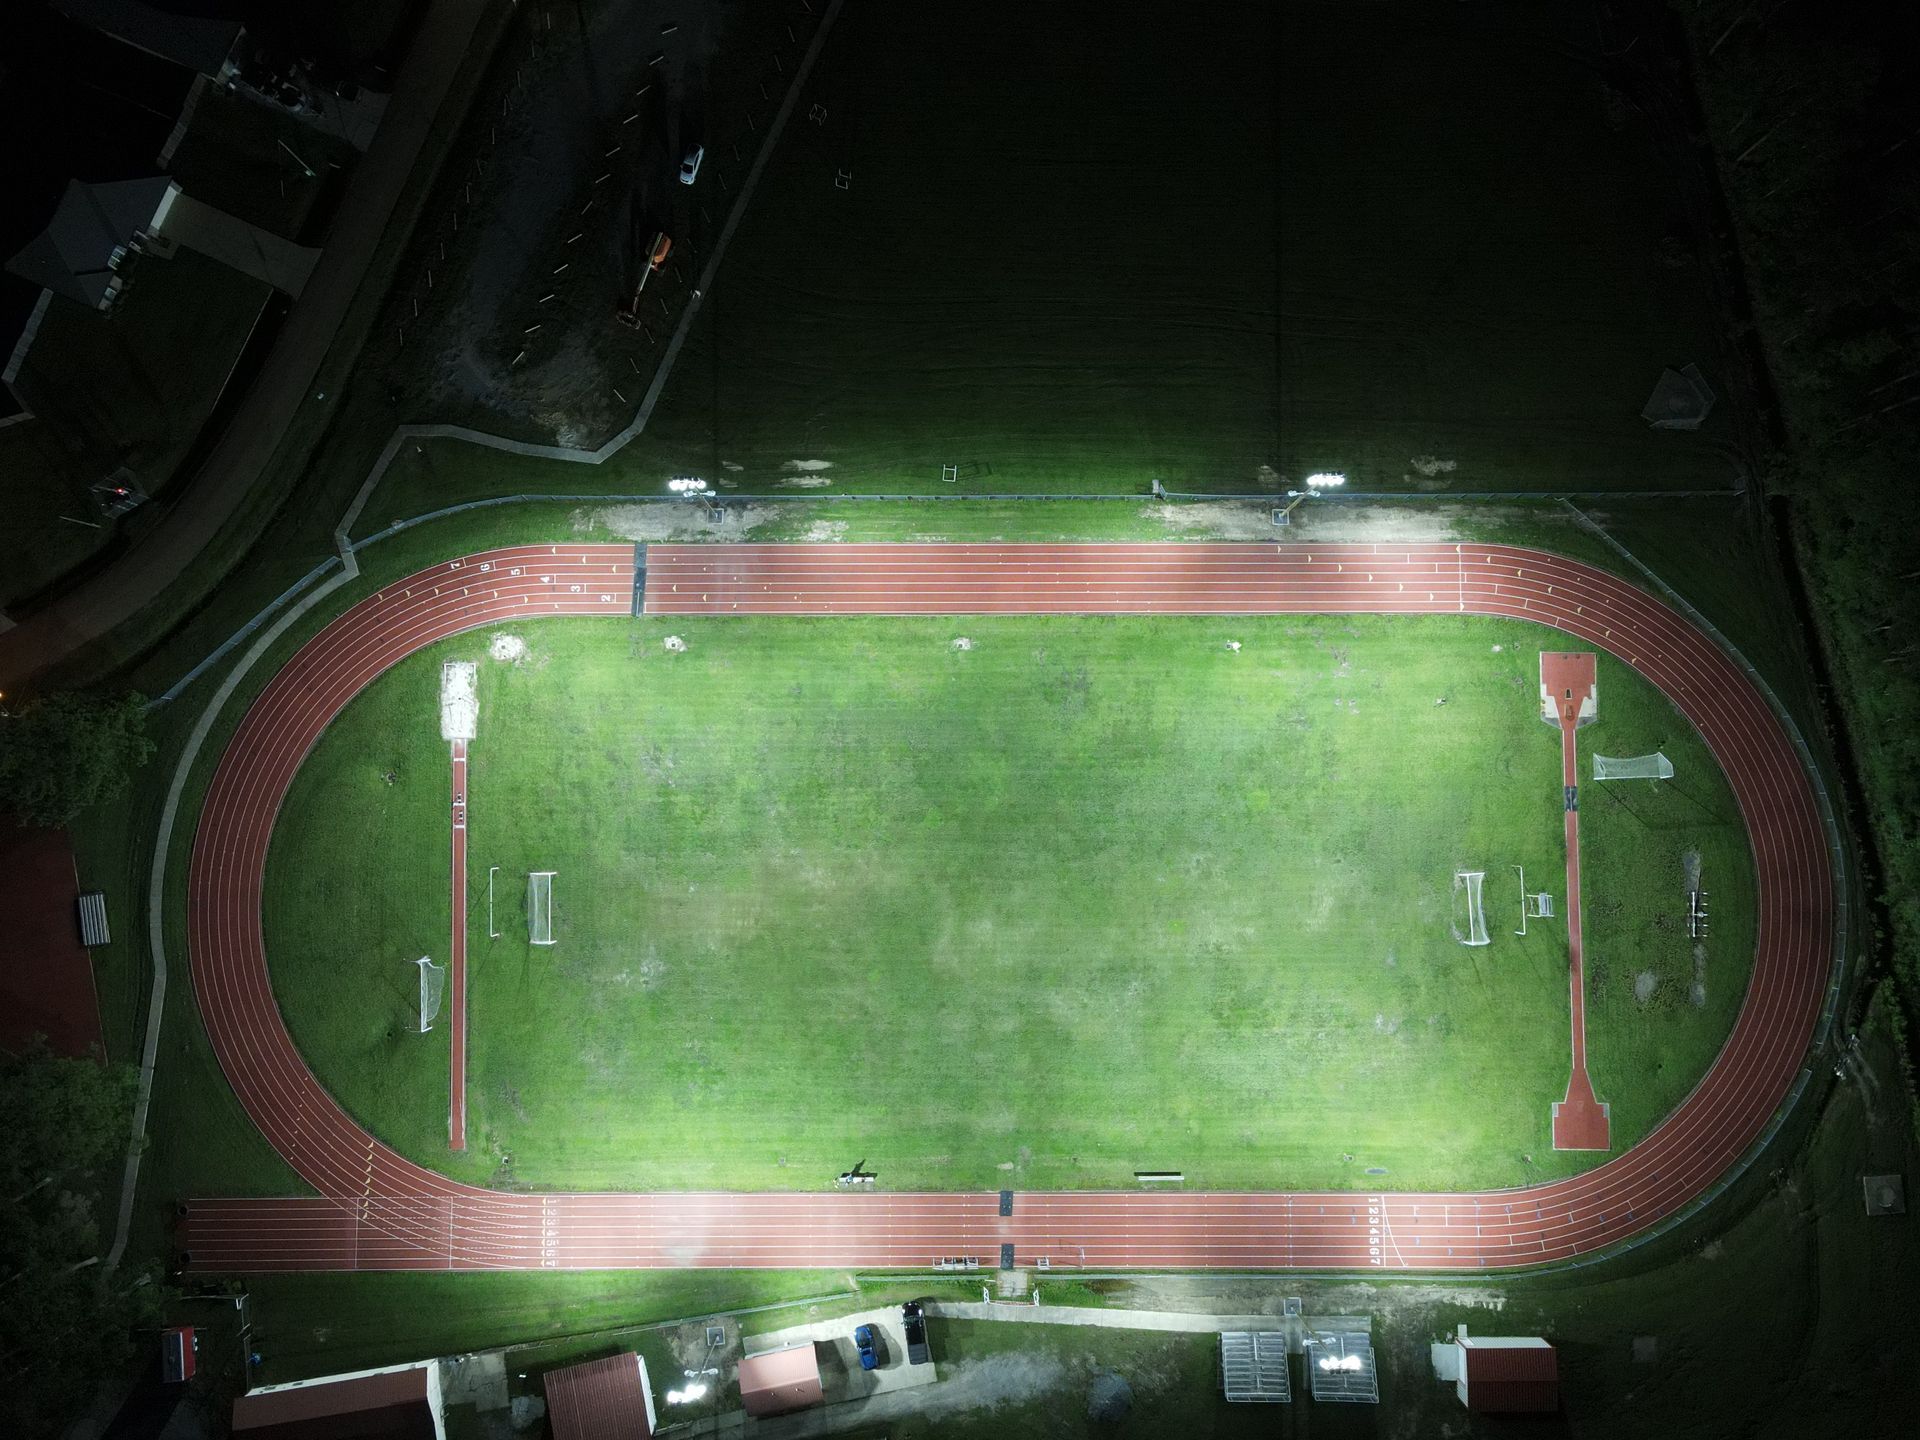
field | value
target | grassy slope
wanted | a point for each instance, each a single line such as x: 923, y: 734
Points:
x: 1469, y: 257
x: 1094, y: 896
x: 1209, y: 280
x: 1090, y: 246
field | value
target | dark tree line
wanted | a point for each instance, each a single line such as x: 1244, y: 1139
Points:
x: 1814, y: 114
x: 64, y: 1323
x: 65, y: 752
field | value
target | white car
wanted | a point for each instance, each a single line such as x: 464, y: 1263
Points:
x: 690, y: 166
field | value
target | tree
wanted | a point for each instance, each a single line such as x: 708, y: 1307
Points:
x: 65, y: 752
x: 62, y: 1325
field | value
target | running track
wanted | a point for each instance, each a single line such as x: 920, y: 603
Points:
x: 375, y: 1210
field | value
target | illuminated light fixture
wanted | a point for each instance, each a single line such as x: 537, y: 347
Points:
x: 1340, y: 1362
x: 689, y: 485
x: 687, y: 1396
x: 1317, y: 483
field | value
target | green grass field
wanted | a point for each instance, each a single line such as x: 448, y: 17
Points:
x: 1092, y: 896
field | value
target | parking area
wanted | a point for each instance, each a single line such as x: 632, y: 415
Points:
x: 841, y: 1378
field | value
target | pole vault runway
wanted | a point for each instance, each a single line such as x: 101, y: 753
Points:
x: 375, y: 1210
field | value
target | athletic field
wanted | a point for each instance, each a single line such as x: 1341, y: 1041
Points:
x: 1077, y: 898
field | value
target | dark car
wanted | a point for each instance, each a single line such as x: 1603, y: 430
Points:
x: 916, y: 1323
x: 869, y: 1352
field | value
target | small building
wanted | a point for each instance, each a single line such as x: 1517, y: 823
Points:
x: 179, y: 1354
x: 1507, y: 1374
x: 781, y: 1380
x: 608, y: 1399
x: 398, y: 1402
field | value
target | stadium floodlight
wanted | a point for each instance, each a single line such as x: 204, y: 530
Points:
x: 1317, y: 483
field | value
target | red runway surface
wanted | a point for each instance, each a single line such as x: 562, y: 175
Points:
x: 457, y: 961
x: 1579, y: 1119
x: 376, y: 1210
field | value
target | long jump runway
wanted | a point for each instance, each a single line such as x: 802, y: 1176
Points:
x: 375, y: 1210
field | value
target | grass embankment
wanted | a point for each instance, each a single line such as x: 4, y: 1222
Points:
x: 1090, y: 897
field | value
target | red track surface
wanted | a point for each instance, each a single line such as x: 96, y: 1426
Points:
x: 457, y: 961
x: 1579, y: 1119
x: 377, y: 1210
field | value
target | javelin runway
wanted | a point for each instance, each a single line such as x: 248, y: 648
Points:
x: 375, y: 1210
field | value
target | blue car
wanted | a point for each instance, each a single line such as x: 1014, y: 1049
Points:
x: 869, y: 1352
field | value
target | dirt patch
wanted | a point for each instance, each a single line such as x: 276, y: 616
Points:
x: 987, y: 1384
x: 1216, y: 519
x: 825, y: 532
x: 668, y: 521
x: 1381, y: 524
x: 1644, y: 984
x: 1429, y: 466
x: 675, y: 645
x: 804, y: 467
x: 507, y: 649
x: 962, y: 643
x: 802, y: 482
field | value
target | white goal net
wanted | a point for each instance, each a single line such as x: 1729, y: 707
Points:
x: 433, y: 985
x: 1467, y: 883
x: 1638, y: 767
x: 540, y: 907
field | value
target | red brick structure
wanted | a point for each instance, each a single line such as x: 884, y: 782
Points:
x: 606, y: 1399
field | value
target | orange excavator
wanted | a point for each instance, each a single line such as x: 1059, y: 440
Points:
x: 628, y: 311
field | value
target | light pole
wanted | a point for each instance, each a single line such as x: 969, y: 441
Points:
x: 1318, y: 483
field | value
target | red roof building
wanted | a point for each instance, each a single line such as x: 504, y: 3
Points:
x: 401, y: 1402
x: 1507, y: 1374
x: 179, y: 1354
x: 606, y: 1399
x: 780, y: 1380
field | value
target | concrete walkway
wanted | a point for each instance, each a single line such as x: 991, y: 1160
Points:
x: 1174, y: 1321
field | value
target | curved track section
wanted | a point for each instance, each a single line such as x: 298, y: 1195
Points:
x: 377, y: 1210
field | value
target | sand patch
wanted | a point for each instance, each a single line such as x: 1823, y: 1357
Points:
x: 668, y: 520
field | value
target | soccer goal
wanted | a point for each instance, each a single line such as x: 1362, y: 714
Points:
x: 433, y: 985
x: 540, y: 907
x: 1468, y: 882
x: 1638, y: 767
